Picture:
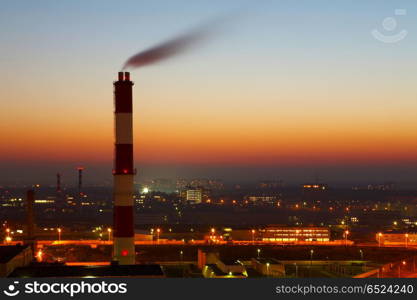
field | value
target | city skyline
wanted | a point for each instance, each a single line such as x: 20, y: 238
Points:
x: 251, y: 104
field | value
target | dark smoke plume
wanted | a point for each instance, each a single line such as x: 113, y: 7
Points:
x: 171, y: 47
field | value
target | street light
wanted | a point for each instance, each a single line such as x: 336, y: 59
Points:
x: 364, y: 263
x: 158, y: 231
x: 59, y: 234
x: 311, y: 262
x: 346, y: 236
x: 213, y: 231
x: 406, y: 240
x: 253, y: 236
x: 259, y: 252
x: 311, y: 256
x: 379, y: 239
x: 399, y: 268
x: 109, y: 233
x: 267, y: 269
x: 181, y: 259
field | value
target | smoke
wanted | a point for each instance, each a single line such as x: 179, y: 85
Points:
x: 172, y: 47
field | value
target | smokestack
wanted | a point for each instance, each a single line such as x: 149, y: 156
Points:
x: 123, y: 173
x: 58, y: 183
x: 30, y: 218
x: 80, y: 181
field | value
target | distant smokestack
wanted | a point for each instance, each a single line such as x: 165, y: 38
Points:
x: 58, y: 183
x: 123, y: 173
x: 80, y: 181
x: 30, y: 218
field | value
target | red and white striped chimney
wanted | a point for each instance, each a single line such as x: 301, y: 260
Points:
x: 123, y: 173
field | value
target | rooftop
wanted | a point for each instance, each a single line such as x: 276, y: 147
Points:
x: 58, y: 270
x: 271, y: 261
x: 8, y: 252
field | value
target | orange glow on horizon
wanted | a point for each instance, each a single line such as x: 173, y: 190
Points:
x: 296, y: 142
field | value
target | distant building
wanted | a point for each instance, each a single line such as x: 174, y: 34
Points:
x: 209, y: 184
x: 294, y: 234
x: 315, y: 187
x: 387, y: 186
x: 162, y: 185
x: 397, y: 238
x: 193, y: 195
x: 262, y: 199
x: 270, y: 184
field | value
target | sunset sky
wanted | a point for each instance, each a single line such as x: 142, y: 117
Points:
x: 287, y: 89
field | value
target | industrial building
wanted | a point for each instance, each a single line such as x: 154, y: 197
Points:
x: 397, y: 238
x: 294, y: 234
x: 194, y: 196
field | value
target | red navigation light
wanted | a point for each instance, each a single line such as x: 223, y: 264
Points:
x: 125, y: 171
x: 125, y: 252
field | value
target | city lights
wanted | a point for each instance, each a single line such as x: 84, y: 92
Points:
x: 145, y: 190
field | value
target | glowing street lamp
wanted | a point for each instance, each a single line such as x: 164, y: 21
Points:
x: 346, y: 236
x: 267, y: 269
x: 181, y: 259
x: 253, y: 236
x: 406, y: 240
x: 379, y: 239
x: 364, y: 262
x: 109, y: 233
x: 158, y: 231
x: 259, y: 252
x: 59, y: 234
x: 8, y: 239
